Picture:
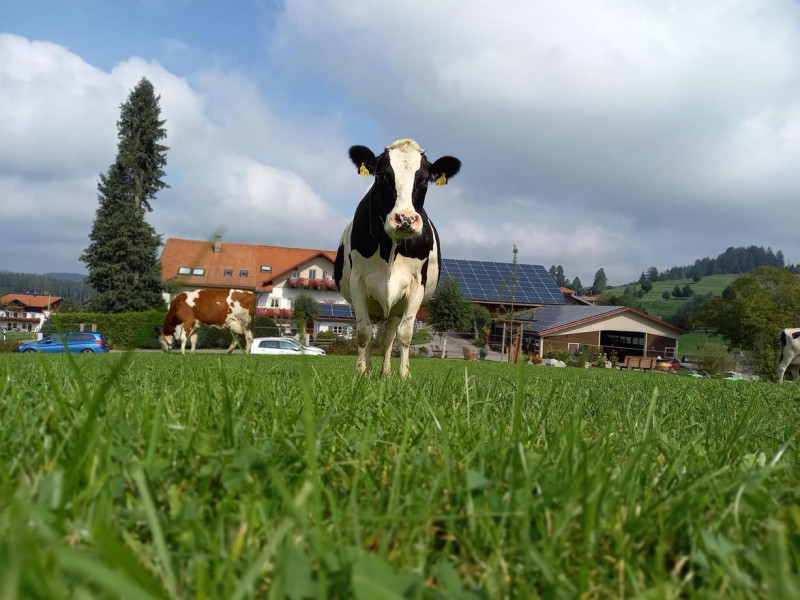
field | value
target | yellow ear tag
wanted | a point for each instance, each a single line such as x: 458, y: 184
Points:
x: 362, y: 170
x: 442, y: 180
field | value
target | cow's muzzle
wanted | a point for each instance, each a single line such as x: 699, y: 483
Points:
x: 409, y: 223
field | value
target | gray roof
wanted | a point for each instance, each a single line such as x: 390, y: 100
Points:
x: 552, y: 317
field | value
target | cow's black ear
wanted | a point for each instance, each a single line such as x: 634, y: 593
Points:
x: 157, y: 329
x: 444, y: 168
x: 363, y: 157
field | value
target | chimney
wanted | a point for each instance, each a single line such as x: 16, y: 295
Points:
x: 217, y: 243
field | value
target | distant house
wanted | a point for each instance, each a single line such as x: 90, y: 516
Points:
x: 26, y: 312
x: 573, y: 298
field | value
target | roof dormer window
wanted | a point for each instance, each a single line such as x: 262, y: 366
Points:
x: 266, y: 268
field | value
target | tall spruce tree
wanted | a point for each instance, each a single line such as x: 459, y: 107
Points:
x: 600, y: 283
x: 122, y: 256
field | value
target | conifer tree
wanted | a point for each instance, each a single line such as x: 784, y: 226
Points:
x: 600, y: 284
x: 122, y: 257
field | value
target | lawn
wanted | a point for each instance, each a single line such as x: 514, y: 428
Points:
x: 147, y: 475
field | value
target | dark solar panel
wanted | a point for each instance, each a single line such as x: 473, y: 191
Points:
x: 493, y: 282
x: 335, y: 311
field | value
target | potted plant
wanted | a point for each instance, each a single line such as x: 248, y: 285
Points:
x: 483, y: 353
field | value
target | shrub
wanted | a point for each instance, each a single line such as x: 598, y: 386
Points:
x: 264, y: 326
x: 714, y: 359
x: 326, y: 335
x: 9, y: 345
x: 342, y: 345
x: 422, y: 351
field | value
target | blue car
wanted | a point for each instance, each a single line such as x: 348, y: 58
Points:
x: 77, y: 341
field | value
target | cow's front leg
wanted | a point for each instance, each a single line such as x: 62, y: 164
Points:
x: 363, y: 337
x: 389, y: 333
x: 363, y: 325
x: 406, y: 329
x: 782, y: 369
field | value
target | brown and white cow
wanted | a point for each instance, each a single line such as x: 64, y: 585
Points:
x: 388, y: 261
x: 790, y: 353
x: 224, y: 309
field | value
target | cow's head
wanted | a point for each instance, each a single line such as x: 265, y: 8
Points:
x: 402, y: 173
x: 165, y: 340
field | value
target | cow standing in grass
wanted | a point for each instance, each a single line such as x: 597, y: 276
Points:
x: 790, y: 353
x: 224, y: 309
x: 388, y: 260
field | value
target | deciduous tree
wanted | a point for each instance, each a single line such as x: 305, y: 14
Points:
x: 449, y: 310
x: 752, y: 313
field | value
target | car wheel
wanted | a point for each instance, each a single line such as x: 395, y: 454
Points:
x: 86, y: 351
x: 29, y: 350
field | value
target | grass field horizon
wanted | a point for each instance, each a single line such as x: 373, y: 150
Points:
x: 168, y: 476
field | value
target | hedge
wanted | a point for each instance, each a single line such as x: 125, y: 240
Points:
x: 137, y: 330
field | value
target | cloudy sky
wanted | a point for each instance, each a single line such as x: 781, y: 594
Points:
x: 614, y: 134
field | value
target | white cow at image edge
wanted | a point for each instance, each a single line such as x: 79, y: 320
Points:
x: 790, y: 353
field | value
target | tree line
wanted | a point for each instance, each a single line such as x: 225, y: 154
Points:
x: 731, y: 262
x: 40, y: 285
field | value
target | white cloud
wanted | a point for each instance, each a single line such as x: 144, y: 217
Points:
x: 58, y: 123
x: 671, y: 116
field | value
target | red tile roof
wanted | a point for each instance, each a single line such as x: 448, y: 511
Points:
x: 30, y: 300
x: 236, y: 257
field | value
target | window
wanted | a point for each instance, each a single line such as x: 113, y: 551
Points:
x: 198, y: 271
x: 274, y: 302
x: 243, y: 273
x: 312, y: 273
x: 295, y: 274
x: 326, y: 274
x: 337, y: 329
x: 228, y: 272
x: 184, y: 270
x: 266, y: 268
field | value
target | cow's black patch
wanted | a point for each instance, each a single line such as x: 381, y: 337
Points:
x: 338, y: 266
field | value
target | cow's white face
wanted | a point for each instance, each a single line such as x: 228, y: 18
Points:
x: 405, y: 160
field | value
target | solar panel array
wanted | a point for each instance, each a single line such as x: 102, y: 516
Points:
x: 335, y: 311
x: 484, y: 281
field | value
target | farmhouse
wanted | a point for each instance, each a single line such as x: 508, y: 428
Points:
x: 619, y: 330
x: 26, y: 312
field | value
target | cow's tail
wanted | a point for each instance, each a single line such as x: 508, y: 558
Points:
x: 784, y: 341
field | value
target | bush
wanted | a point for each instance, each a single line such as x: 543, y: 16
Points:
x: 714, y: 359
x: 343, y: 346
x: 9, y: 345
x: 562, y: 355
x: 326, y: 335
x: 264, y: 326
x: 422, y: 351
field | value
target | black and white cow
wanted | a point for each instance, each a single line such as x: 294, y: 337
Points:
x: 388, y: 261
x: 790, y: 353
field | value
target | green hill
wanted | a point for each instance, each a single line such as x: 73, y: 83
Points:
x: 655, y: 305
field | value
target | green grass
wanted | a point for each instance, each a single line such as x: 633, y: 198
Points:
x: 209, y: 476
x: 655, y: 305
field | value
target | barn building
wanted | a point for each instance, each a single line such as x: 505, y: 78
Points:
x: 619, y: 330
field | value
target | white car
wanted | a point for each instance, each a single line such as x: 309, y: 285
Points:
x: 279, y: 345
